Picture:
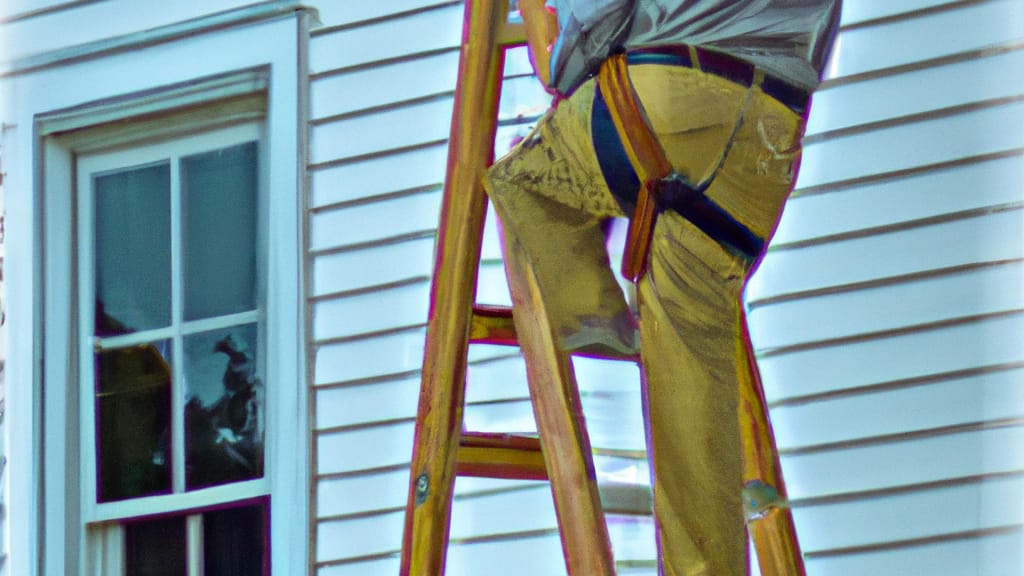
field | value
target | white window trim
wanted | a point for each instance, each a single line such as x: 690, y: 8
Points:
x: 62, y: 529
x: 87, y: 165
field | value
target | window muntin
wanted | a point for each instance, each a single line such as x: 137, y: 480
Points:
x: 171, y: 276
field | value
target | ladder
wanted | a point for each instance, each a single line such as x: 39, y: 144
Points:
x: 443, y: 450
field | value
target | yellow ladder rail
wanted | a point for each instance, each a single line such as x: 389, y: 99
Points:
x: 441, y: 450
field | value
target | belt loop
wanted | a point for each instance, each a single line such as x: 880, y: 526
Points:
x: 758, y: 79
x: 694, y: 57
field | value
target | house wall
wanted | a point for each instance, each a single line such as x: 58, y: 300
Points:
x: 887, y: 315
x: 383, y: 78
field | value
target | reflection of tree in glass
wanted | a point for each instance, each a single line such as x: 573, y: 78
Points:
x: 133, y: 401
x: 226, y: 438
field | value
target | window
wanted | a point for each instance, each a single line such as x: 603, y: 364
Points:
x: 172, y: 334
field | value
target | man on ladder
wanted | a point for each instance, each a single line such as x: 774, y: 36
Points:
x: 695, y: 108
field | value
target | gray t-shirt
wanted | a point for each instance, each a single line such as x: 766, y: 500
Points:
x: 790, y: 39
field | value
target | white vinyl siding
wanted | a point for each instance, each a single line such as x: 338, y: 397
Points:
x: 381, y: 100
x: 888, y: 313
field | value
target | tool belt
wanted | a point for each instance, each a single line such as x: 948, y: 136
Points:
x: 634, y: 163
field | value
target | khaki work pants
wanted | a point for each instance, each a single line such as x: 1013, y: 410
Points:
x: 551, y: 198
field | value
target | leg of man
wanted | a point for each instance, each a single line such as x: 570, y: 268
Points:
x: 551, y: 197
x: 689, y: 303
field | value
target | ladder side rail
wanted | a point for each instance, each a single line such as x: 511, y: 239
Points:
x: 769, y: 518
x: 464, y: 204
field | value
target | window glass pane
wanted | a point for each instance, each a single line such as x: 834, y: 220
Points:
x: 133, y: 409
x: 219, y: 193
x: 133, y: 250
x: 234, y: 541
x: 156, y: 547
x: 223, y: 407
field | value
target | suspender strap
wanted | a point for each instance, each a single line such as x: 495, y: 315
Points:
x: 659, y: 186
x: 645, y: 154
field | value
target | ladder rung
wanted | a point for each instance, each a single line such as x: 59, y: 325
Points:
x: 505, y: 456
x: 512, y: 34
x: 493, y: 325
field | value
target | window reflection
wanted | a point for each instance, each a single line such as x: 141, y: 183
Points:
x: 133, y: 403
x: 219, y: 195
x: 223, y: 407
x: 133, y: 250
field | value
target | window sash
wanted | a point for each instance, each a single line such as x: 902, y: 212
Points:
x: 88, y: 166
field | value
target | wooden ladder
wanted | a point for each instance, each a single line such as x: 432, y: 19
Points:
x: 442, y: 449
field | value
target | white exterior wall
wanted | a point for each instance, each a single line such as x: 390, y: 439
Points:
x: 3, y: 404
x: 888, y: 313
x: 887, y: 316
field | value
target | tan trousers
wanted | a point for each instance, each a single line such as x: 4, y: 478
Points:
x: 551, y: 198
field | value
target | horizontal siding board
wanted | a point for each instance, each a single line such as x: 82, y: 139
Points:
x: 615, y: 419
x: 381, y: 131
x: 352, y: 405
x: 388, y: 565
x: 916, y: 91
x: 512, y: 511
x: 907, y: 41
x: 984, y: 343
x: 931, y: 141
x: 980, y: 184
x: 928, y: 513
x: 369, y: 357
x: 632, y: 538
x: 531, y: 554
x: 372, y: 266
x: 517, y: 61
x: 970, y: 293
x: 374, y: 221
x: 490, y: 249
x: 502, y: 379
x: 371, y: 312
x: 355, y: 494
x: 600, y: 376
x: 512, y: 417
x: 867, y: 10
x: 383, y: 85
x: 380, y: 40
x: 398, y: 170
x: 359, y: 449
x: 20, y: 9
x: 356, y: 537
x: 492, y: 285
x: 989, y: 396
x: 334, y: 13
x: 989, y: 555
x: 904, y: 462
x: 985, y: 238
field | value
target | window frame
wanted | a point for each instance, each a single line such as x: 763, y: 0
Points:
x: 87, y: 166
x: 170, y: 114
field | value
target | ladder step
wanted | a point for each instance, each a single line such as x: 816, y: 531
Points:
x: 506, y: 456
x: 494, y: 325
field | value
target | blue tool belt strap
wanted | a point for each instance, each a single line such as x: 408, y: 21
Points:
x: 673, y: 193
